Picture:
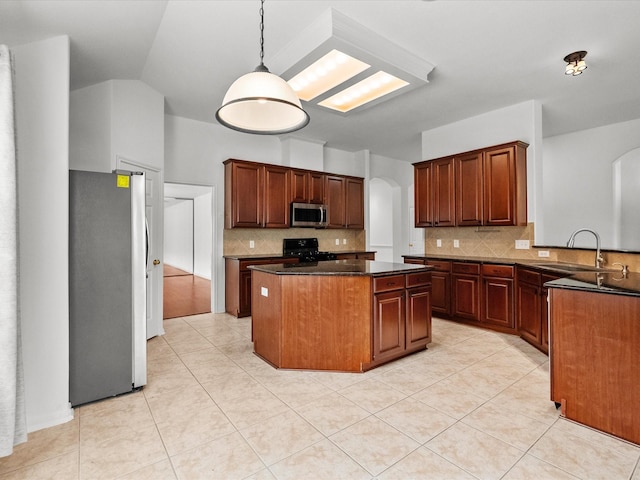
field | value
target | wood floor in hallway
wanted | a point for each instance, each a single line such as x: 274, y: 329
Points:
x: 184, y: 293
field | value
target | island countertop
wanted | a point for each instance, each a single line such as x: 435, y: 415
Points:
x: 601, y: 282
x: 342, y: 267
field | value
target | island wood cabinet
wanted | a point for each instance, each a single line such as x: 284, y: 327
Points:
x: 356, y: 256
x: 531, y: 306
x: 237, y: 284
x: 594, y: 359
x: 402, y: 315
x: 259, y: 195
x: 307, y: 186
x: 256, y: 195
x: 440, y: 284
x: 340, y: 322
x: 345, y: 202
x: 481, y: 187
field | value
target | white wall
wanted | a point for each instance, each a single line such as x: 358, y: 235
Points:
x: 202, y: 232
x: 42, y: 131
x: 381, y: 217
x: 577, y: 186
x: 179, y: 234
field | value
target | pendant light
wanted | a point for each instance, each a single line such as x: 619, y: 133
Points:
x: 261, y: 102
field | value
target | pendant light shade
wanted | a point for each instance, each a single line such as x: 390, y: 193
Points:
x: 261, y: 102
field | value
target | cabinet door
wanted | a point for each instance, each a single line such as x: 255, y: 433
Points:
x: 354, y: 210
x: 389, y: 324
x: 423, y: 193
x: 244, y: 306
x: 335, y: 195
x: 299, y: 186
x: 466, y: 296
x: 528, y: 313
x: 498, y: 302
x: 505, y: 185
x: 468, y: 169
x: 243, y: 195
x: 444, y: 212
x: 276, y: 197
x: 441, y: 292
x: 316, y: 187
x: 418, y: 323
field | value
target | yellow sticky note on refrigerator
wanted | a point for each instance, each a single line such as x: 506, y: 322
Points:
x: 123, y: 181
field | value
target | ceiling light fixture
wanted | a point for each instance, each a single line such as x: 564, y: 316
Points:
x: 261, y: 102
x: 575, y: 63
x: 377, y: 85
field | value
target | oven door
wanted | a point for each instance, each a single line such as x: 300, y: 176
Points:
x: 308, y: 215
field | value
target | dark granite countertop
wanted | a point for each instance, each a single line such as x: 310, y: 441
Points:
x: 341, y: 267
x: 275, y: 255
x: 601, y: 282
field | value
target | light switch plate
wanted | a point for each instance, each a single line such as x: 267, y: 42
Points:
x: 252, y: 244
x: 264, y: 291
x: 337, y: 241
x: 344, y: 241
x: 456, y: 244
x: 543, y: 253
x: 439, y: 242
x: 522, y: 244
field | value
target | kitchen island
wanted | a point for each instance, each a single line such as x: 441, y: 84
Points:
x: 342, y: 315
x: 595, y: 350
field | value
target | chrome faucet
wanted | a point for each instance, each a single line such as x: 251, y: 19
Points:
x: 599, y: 258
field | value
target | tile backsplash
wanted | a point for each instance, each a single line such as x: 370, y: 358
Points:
x: 499, y: 242
x: 269, y: 240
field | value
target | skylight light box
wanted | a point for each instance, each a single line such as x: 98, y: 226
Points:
x: 344, y: 66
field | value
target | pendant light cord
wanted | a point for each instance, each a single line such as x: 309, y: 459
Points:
x: 261, y: 32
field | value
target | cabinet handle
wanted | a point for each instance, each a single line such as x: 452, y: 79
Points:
x: 390, y: 284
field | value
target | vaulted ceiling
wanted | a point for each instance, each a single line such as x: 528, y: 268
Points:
x: 487, y: 55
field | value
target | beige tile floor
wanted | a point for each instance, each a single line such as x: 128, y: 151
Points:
x: 473, y: 406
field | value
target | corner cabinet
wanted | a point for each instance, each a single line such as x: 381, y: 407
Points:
x: 482, y: 187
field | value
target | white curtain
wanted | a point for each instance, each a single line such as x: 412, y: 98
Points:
x: 13, y: 427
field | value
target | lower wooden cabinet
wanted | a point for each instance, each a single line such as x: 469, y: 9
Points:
x: 532, y: 308
x: 465, y: 281
x: 401, y: 315
x: 497, y: 291
x: 356, y: 256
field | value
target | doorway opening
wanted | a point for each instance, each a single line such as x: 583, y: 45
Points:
x: 187, y: 250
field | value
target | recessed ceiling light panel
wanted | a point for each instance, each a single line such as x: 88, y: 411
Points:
x: 371, y: 88
x: 329, y: 71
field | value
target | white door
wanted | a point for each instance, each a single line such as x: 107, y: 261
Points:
x: 154, y: 206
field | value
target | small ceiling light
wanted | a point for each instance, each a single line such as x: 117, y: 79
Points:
x: 261, y: 102
x: 575, y: 63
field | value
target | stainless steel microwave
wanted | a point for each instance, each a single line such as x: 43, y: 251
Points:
x: 308, y: 215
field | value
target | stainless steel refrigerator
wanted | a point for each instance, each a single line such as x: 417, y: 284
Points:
x: 107, y: 285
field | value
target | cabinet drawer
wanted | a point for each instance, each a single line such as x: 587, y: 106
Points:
x: 244, y: 264
x: 392, y: 282
x: 440, y: 265
x: 505, y: 271
x: 415, y: 261
x: 469, y: 268
x: 418, y: 278
x: 529, y: 276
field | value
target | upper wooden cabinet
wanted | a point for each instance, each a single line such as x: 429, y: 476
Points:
x: 344, y: 197
x: 435, y: 193
x: 256, y: 195
x: 259, y: 195
x: 307, y: 186
x: 481, y: 187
